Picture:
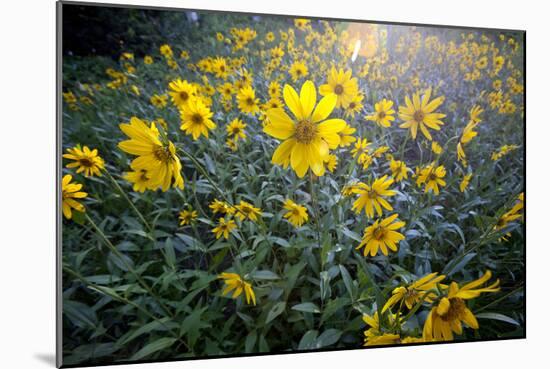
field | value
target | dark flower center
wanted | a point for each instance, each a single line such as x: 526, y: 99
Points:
x: 419, y: 116
x: 338, y: 89
x: 305, y: 131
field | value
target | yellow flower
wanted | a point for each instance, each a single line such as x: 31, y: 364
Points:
x: 166, y: 50
x: 86, y: 160
x: 159, y: 101
x: 346, y: 136
x: 374, y: 335
x: 446, y: 318
x: 235, y: 283
x: 70, y: 192
x: 157, y: 157
x: 220, y: 67
x: 195, y: 118
x: 181, y: 92
x: 187, y: 216
x: 361, y: 147
x: 382, y: 235
x: 354, y: 106
x: 246, y: 210
x: 226, y: 90
x: 140, y: 179
x: 399, y: 170
x: 224, y: 228
x: 383, y: 115
x: 274, y: 89
x: 298, y: 70
x: 221, y: 207
x: 331, y: 162
x: 465, y: 182
x: 296, y: 214
x: 372, y: 197
x: 147, y: 59
x: 432, y: 177
x: 247, y: 101
x: 436, y: 148
x: 342, y: 85
x: 417, y: 291
x: 307, y: 138
x: 420, y: 114
x: 236, y: 129
x: 301, y: 23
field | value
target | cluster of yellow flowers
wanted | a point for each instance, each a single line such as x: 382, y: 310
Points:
x: 223, y: 97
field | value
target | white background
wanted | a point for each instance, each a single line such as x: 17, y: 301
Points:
x: 27, y: 191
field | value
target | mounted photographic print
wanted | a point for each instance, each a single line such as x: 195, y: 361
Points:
x: 240, y: 184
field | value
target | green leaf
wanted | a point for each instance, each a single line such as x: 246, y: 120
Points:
x: 169, y: 252
x: 149, y: 327
x: 328, y: 337
x: 308, y: 340
x: 264, y: 275
x: 347, y: 281
x: 151, y: 348
x: 307, y: 307
x: 497, y: 316
x: 275, y: 311
x: 250, y: 341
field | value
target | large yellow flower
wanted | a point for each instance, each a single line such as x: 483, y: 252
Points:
x: 420, y: 114
x: 235, y: 283
x: 446, y: 318
x: 195, y: 118
x: 382, y: 235
x: 85, y: 160
x: 154, y: 155
x: 70, y: 192
x: 342, y: 85
x: 308, y: 137
x: 372, y: 197
x: 296, y: 214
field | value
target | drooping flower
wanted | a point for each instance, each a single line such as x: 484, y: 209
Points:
x: 246, y: 210
x: 221, y: 207
x: 85, y: 160
x: 296, y: 214
x: 70, y: 192
x: 234, y: 283
x: 156, y: 156
x: 372, y: 197
x: 308, y: 137
x: 421, y: 115
x: 382, y: 235
x: 446, y: 317
x: 465, y: 182
x: 420, y: 290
